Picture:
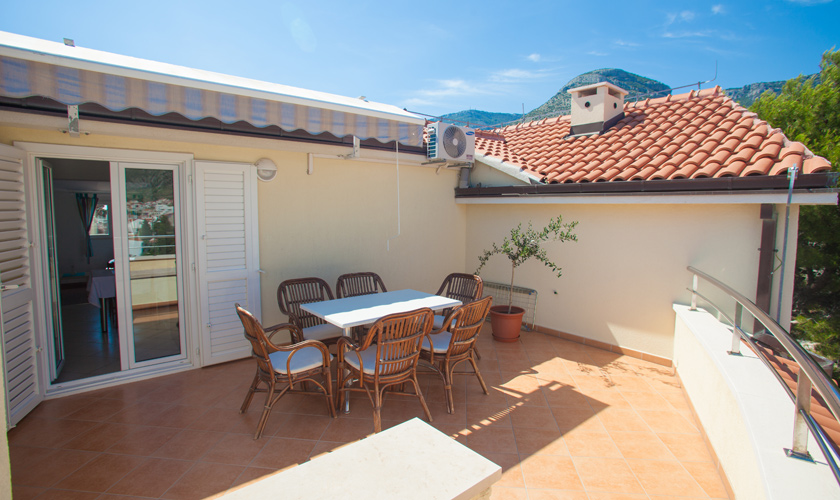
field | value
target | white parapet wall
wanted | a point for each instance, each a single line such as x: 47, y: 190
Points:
x: 746, y: 414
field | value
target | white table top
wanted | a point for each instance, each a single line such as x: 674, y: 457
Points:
x: 412, y: 460
x: 101, y: 285
x: 363, y: 309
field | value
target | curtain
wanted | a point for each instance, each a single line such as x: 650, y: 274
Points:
x: 87, y: 207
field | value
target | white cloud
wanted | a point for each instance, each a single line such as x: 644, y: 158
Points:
x: 718, y: 9
x: 687, y: 34
x: 686, y: 15
x: 625, y: 43
x: 810, y: 2
x: 683, y: 16
x: 596, y: 53
x: 534, y: 57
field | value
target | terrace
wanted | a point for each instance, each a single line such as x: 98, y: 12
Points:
x: 564, y: 420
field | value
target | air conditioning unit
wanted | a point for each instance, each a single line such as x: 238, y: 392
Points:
x: 451, y: 142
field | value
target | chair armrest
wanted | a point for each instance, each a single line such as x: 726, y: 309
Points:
x: 294, y: 348
x: 294, y: 330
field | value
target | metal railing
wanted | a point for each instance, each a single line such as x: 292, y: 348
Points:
x: 811, y: 375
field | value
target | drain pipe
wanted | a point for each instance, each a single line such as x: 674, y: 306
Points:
x: 792, y: 177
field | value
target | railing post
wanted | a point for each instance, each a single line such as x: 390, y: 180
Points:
x: 736, y: 331
x: 800, y: 426
x: 694, y: 284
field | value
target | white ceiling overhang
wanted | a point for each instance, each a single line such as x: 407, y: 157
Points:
x: 75, y: 75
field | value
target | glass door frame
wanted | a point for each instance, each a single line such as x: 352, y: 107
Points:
x: 122, y: 271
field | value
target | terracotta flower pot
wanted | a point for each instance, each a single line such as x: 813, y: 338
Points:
x: 506, y: 325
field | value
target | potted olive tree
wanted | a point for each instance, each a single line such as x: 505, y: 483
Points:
x: 519, y: 247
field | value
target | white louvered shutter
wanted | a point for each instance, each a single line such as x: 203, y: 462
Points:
x: 22, y: 387
x: 228, y: 264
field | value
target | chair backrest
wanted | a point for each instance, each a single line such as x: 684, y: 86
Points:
x: 291, y: 294
x: 465, y: 324
x: 353, y: 284
x: 399, y: 338
x: 463, y: 287
x: 256, y: 336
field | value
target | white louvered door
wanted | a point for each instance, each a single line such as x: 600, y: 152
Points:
x: 23, y: 390
x: 228, y: 260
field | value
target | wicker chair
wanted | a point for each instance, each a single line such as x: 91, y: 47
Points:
x: 460, y: 286
x: 388, y: 363
x: 291, y: 294
x: 455, y: 343
x: 351, y: 285
x: 287, y: 364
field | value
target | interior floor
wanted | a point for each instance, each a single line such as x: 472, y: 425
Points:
x: 89, y: 352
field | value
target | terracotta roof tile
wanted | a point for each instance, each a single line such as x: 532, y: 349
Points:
x: 692, y: 135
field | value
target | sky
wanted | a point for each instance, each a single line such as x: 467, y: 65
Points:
x: 436, y: 57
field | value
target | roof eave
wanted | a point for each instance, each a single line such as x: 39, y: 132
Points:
x: 818, y: 181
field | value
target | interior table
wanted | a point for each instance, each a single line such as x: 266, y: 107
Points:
x: 101, y: 287
x: 364, y: 309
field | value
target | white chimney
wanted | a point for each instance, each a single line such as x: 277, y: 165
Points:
x: 596, y: 107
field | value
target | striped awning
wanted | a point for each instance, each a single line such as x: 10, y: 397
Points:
x: 74, y: 81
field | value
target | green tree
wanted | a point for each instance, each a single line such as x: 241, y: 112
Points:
x: 808, y: 111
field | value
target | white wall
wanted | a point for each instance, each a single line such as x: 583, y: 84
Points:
x: 629, y: 266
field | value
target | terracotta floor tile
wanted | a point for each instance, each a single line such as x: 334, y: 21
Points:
x: 47, y: 432
x: 493, y: 438
x: 646, y: 400
x: 531, y: 441
x: 550, y: 472
x: 485, y: 415
x: 622, y: 420
x: 565, y: 396
x: 302, y: 426
x: 598, y: 400
x: 52, y: 467
x: 324, y: 447
x: 665, y: 478
x: 100, y: 438
x: 246, y: 423
x: 345, y: 430
x: 582, y: 443
x: 707, y: 476
x: 204, y: 480
x: 59, y: 494
x: 235, y: 449
x: 505, y: 493
x: 179, y: 416
x: 151, y: 478
x: 576, y: 418
x: 687, y: 447
x: 62, y: 407
x: 609, y: 495
x: 606, y: 474
x: 99, y: 411
x: 217, y: 419
x: 281, y: 453
x: 143, y: 441
x: 138, y: 413
x: 251, y: 474
x: 100, y: 473
x: 667, y: 421
x: 25, y: 492
x: 188, y: 444
x: 641, y: 445
x: 511, y: 470
x: 532, y: 416
x: 535, y: 494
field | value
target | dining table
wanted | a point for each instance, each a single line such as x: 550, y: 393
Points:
x: 360, y: 310
x: 102, y: 287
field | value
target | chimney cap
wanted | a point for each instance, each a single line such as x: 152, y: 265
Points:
x: 609, y: 85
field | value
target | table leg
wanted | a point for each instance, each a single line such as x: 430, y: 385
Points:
x: 347, y: 333
x: 103, y: 315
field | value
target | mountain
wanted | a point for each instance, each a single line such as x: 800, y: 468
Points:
x: 479, y: 119
x: 636, y: 85
x: 747, y: 95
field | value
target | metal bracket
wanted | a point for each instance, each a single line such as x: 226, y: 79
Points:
x: 799, y: 456
x: 357, y: 147
x: 73, y: 121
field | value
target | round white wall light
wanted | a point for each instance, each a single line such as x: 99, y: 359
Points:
x: 266, y: 169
